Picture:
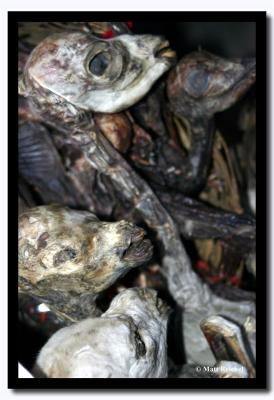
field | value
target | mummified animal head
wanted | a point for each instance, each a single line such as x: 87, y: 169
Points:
x: 93, y: 74
x: 127, y: 341
x: 202, y: 84
x: 69, y: 250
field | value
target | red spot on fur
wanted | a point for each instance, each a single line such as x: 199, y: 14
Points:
x: 202, y: 266
x: 42, y: 316
x: 130, y: 24
x: 215, y: 278
x: 107, y: 34
x: 235, y: 281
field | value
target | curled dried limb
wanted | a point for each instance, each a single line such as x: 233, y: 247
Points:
x: 183, y: 283
x: 200, y: 221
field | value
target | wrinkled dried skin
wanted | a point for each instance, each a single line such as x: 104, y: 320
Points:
x: 67, y: 257
x: 185, y: 286
x: 148, y: 111
x: 200, y: 85
x: 197, y: 220
x: 116, y: 128
x: 127, y: 341
x: 164, y: 163
x: 92, y: 191
x: 92, y: 74
x: 187, y: 289
x: 222, y: 191
x: 41, y: 166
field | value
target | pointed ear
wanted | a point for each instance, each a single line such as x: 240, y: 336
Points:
x: 21, y: 87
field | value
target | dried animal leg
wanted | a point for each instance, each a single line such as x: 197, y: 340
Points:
x: 197, y: 220
x: 226, y: 341
x: 184, y: 284
x: 186, y: 287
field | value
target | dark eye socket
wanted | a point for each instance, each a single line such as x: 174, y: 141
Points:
x: 99, y: 63
x: 64, y: 255
x: 197, y: 82
x: 140, y: 346
x: 121, y: 251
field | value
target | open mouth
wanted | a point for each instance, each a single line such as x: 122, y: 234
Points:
x: 139, y: 250
x: 249, y: 74
x: 164, y: 51
x: 243, y: 83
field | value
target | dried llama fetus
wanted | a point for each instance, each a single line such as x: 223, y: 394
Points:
x: 67, y: 257
x: 80, y: 71
x: 127, y: 341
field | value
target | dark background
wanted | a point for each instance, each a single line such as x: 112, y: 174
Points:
x: 227, y: 39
